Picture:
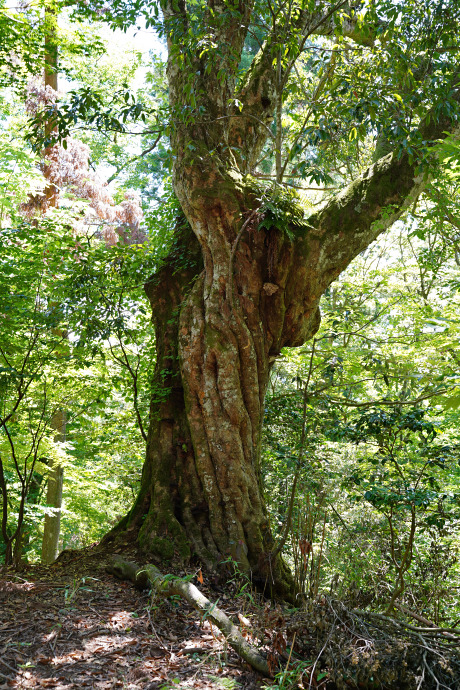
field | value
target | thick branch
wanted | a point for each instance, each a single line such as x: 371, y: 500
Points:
x: 355, y: 217
x: 230, y: 23
x: 149, y: 575
x: 175, y: 14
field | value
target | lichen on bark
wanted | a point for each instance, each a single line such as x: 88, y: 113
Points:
x: 236, y: 289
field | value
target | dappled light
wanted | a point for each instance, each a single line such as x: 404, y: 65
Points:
x: 230, y: 344
x: 88, y: 631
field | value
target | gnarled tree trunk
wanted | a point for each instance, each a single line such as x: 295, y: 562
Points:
x: 218, y: 329
x: 230, y: 296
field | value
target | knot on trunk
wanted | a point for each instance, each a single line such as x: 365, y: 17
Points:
x: 270, y: 288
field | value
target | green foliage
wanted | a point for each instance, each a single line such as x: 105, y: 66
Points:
x: 283, y: 211
x: 35, y: 360
x: 408, y: 468
x: 390, y: 336
x: 21, y: 48
x: 19, y: 176
x: 376, y: 391
x: 333, y: 104
x: 291, y: 676
x: 73, y: 325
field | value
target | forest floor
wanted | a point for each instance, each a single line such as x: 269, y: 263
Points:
x: 72, y: 625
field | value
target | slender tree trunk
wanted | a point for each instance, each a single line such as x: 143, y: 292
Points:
x: 51, y: 82
x: 23, y: 538
x: 52, y: 525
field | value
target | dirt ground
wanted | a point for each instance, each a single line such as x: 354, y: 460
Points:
x: 72, y: 625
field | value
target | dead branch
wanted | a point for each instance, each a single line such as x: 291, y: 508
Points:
x: 150, y: 576
x: 362, y: 649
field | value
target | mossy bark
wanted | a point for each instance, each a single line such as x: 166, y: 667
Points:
x: 232, y: 294
x: 201, y: 492
x: 229, y: 297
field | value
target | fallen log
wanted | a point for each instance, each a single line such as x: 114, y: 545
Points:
x: 166, y: 585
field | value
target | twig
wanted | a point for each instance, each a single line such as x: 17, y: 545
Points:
x: 319, y: 656
x: 285, y: 534
x: 422, y: 677
x: 412, y: 614
x: 15, y: 670
x: 162, y: 644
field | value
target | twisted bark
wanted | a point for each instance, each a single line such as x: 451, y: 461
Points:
x: 231, y: 295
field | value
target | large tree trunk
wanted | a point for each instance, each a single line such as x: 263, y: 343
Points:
x: 220, y: 322
x: 216, y: 338
x: 232, y: 294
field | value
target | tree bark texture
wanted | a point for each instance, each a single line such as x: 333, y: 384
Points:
x: 228, y: 299
x: 52, y: 524
x: 218, y: 329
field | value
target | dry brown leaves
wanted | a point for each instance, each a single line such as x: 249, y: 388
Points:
x: 80, y: 628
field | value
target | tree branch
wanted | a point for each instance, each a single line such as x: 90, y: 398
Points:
x: 355, y: 217
x: 229, y: 23
x: 135, y: 158
x: 259, y: 90
x: 149, y: 575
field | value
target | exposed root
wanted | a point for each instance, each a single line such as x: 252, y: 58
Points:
x: 149, y: 575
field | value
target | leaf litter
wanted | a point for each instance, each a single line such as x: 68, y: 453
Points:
x: 72, y: 625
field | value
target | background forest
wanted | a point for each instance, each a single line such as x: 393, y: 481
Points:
x: 360, y: 457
